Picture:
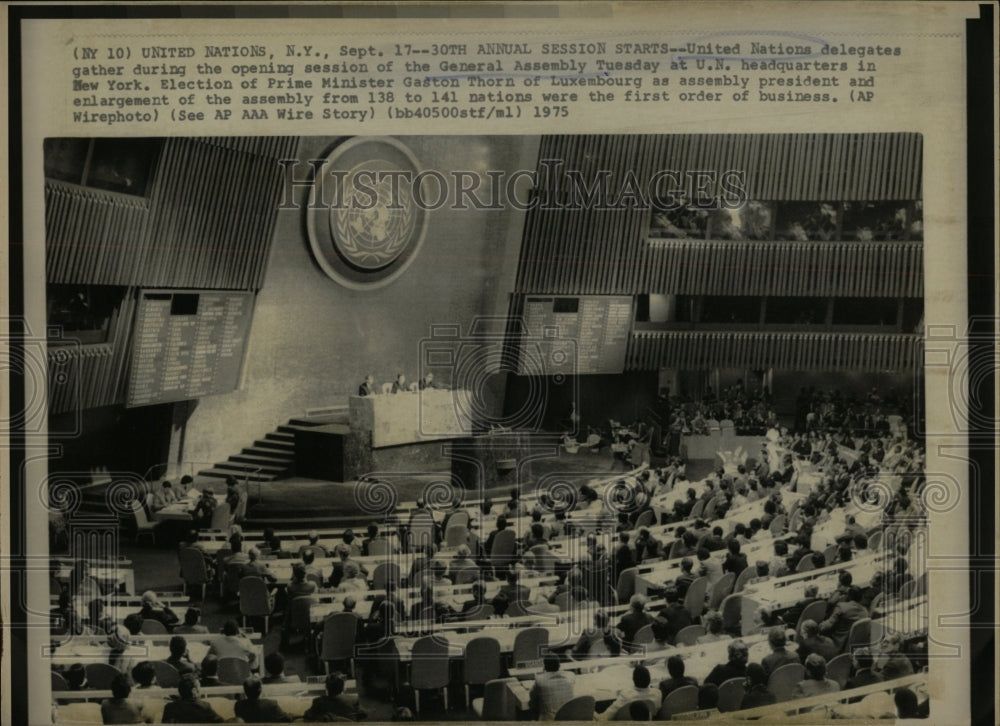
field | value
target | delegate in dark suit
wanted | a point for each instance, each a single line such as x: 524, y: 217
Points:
x: 260, y: 710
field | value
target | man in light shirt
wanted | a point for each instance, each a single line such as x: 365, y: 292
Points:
x: 639, y: 691
x: 552, y: 689
x: 233, y: 644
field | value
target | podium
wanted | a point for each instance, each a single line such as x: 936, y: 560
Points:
x: 409, y: 418
x: 403, y: 432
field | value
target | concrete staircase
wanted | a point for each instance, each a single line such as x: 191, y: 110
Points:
x: 273, y: 456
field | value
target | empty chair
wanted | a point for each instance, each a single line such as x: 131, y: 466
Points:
x: 874, y: 540
x: 644, y: 635
x: 298, y: 622
x: 777, y: 527
x: 813, y: 611
x: 698, y: 509
x: 220, y: 517
x: 143, y: 525
x: 731, y: 694
x: 231, y: 576
x: 625, y: 712
x: 455, y: 535
x: 166, y: 675
x: 385, y: 572
x: 694, y: 599
x: 340, y: 631
x: 221, y: 556
x: 504, y: 546
x: 497, y: 703
x: 682, y: 700
x: 839, y: 668
x: 233, y: 671
x: 580, y: 708
x: 830, y: 554
x: 646, y: 519
x: 784, y: 679
x: 860, y: 634
x: 921, y: 588
x: 720, y: 589
x: 744, y: 577
x: 459, y: 516
x: 689, y: 635
x: 794, y: 520
x: 876, y: 634
x: 528, y: 646
x: 153, y: 627
x: 805, y: 564
x: 626, y: 583
x: 564, y: 601
x: 255, y: 600
x: 378, y: 547
x: 194, y: 569
x: 59, y: 683
x: 100, y: 675
x: 429, y: 667
x: 481, y: 663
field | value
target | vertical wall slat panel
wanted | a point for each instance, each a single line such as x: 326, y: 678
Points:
x: 206, y: 224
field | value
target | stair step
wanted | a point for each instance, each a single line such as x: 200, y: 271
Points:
x: 223, y: 473
x: 275, y: 445
x: 290, y: 429
x: 277, y: 435
x: 245, y: 467
x: 263, y: 457
x: 319, y: 420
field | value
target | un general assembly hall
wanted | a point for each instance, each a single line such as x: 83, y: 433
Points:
x: 484, y: 428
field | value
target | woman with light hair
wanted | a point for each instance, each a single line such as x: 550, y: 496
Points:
x: 893, y: 663
x: 119, y: 644
x: 713, y: 629
x: 461, y: 561
x: 352, y: 581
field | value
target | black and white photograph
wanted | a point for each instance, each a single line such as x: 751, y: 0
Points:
x: 499, y: 362
x: 614, y: 427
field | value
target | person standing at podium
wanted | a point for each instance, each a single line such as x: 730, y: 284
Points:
x: 367, y: 388
x: 427, y: 382
x: 399, y: 385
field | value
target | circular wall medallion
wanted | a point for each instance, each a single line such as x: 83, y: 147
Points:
x: 365, y: 226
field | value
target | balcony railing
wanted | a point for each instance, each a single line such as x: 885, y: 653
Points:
x: 652, y: 350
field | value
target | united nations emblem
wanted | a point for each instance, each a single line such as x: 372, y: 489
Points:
x: 364, y: 224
